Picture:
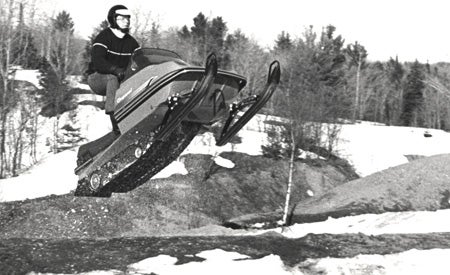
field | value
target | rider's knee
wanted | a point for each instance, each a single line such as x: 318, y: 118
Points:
x: 111, y: 77
x: 101, y: 83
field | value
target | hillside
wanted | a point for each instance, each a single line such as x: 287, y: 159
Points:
x: 208, y: 195
x: 421, y: 185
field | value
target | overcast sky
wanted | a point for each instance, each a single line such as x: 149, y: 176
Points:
x: 414, y: 29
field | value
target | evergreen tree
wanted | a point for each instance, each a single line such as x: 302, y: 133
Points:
x: 200, y: 27
x: 59, y: 52
x: 413, y: 95
x: 393, y: 103
x: 55, y: 67
x: 155, y: 35
x: 206, y: 36
x: 54, y: 94
x: 330, y: 60
x: 63, y: 22
x: 217, y: 30
x: 184, y: 33
x: 331, y: 57
x: 283, y: 42
x: 198, y: 33
x: 395, y: 72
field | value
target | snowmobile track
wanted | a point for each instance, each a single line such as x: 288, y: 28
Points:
x: 159, y: 155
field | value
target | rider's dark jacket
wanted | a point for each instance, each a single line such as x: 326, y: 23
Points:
x: 110, y: 52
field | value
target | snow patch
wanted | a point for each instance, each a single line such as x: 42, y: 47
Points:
x: 433, y: 261
x: 157, y: 265
x: 408, y: 222
x: 216, y: 261
x: 176, y: 167
x: 372, y: 148
x: 31, y: 76
x: 46, y: 178
x: 224, y: 162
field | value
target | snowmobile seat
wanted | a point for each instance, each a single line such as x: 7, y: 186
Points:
x: 89, y: 150
x: 150, y: 56
x: 154, y: 56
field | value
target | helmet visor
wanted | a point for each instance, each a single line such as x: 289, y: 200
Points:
x: 123, y: 12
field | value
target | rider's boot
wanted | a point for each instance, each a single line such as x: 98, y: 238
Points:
x: 115, y: 126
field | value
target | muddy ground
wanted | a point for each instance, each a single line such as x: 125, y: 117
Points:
x: 19, y: 256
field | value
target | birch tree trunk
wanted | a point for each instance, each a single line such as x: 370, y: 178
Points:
x: 290, y: 177
x: 356, y: 110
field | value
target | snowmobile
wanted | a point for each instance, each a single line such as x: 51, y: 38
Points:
x: 162, y: 104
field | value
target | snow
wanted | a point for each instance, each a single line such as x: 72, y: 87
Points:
x: 373, y: 147
x: 223, y: 162
x: 217, y: 261
x: 234, y: 262
x: 367, y: 146
x: 75, y: 82
x: 31, y: 76
x: 433, y: 261
x: 409, y: 222
x: 52, y: 175
x: 175, y: 167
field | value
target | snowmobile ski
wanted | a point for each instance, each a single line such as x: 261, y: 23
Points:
x: 178, y: 110
x: 256, y: 102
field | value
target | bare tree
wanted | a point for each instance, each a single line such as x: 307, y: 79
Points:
x: 7, y: 14
x: 436, y: 101
x: 15, y: 48
x: 357, y: 54
x: 142, y: 25
x: 245, y: 57
x: 310, y: 97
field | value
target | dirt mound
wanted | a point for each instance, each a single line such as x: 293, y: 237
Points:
x: 423, y: 184
x: 208, y: 195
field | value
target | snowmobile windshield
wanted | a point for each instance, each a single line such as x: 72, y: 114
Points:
x: 150, y: 56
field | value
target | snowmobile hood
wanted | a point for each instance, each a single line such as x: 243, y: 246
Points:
x: 148, y: 82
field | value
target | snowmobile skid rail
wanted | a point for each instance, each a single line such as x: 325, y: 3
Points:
x: 256, y: 102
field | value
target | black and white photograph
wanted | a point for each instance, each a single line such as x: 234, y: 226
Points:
x: 224, y: 137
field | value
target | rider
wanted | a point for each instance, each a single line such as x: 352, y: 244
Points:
x: 111, y: 53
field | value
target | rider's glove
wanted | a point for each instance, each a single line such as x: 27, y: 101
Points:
x: 119, y: 72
